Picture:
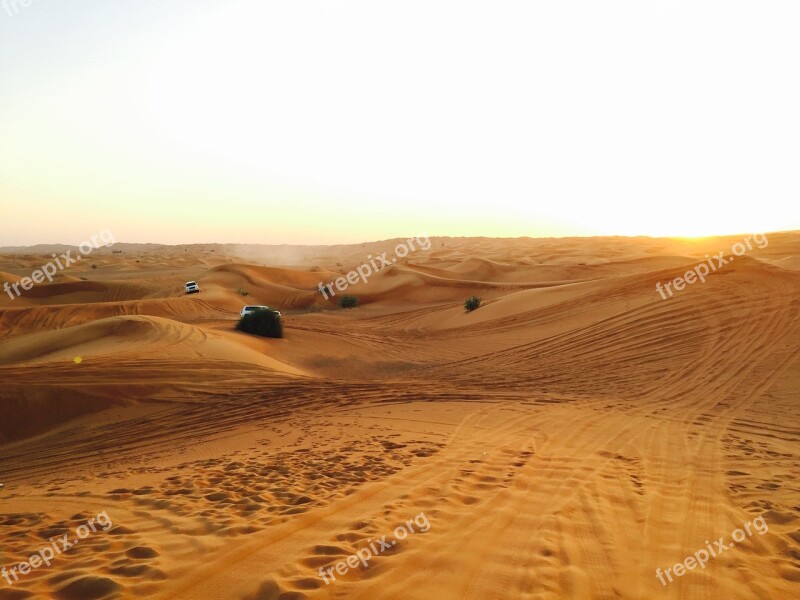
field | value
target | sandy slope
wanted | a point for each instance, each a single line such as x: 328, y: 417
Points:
x: 566, y: 440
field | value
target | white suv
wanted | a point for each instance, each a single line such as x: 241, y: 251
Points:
x: 192, y: 287
x: 249, y: 310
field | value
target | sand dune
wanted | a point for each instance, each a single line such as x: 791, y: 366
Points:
x: 130, y: 336
x: 565, y: 440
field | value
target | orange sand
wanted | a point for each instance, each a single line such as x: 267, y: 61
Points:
x: 565, y: 440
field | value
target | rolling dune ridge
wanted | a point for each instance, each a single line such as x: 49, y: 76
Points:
x: 565, y: 440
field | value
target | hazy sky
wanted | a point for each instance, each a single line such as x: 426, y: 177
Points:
x: 318, y: 122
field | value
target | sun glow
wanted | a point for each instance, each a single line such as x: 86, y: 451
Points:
x: 322, y: 122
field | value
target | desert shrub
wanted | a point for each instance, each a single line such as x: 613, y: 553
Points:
x: 242, y: 292
x: 265, y: 323
x: 94, y: 266
x: 348, y: 301
x: 472, y: 303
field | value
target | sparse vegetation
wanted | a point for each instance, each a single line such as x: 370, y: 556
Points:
x: 265, y: 323
x: 348, y: 301
x: 472, y: 303
x: 242, y: 292
x: 94, y: 266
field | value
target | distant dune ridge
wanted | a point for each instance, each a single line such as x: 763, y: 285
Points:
x: 565, y: 440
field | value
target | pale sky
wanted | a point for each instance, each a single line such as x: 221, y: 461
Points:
x: 258, y: 121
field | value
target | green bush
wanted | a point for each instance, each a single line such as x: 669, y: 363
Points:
x: 242, y: 292
x: 265, y: 323
x: 472, y: 303
x: 348, y: 301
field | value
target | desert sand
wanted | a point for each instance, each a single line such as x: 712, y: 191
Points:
x: 565, y: 440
